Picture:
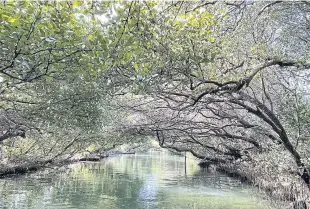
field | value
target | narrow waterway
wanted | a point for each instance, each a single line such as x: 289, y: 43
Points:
x: 155, y: 180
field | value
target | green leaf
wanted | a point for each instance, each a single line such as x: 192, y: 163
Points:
x: 90, y: 37
x: 127, y: 57
x: 135, y: 66
x: 76, y: 3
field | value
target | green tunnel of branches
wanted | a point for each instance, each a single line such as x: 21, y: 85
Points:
x: 225, y: 80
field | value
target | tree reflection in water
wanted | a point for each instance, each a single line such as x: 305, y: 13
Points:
x: 149, y: 181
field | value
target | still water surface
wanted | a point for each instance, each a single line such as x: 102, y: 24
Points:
x: 155, y: 180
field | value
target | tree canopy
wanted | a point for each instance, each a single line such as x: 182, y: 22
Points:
x: 224, y: 80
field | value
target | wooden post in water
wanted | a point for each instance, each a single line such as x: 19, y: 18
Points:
x: 185, y: 161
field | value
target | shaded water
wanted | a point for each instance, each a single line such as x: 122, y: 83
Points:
x: 128, y: 182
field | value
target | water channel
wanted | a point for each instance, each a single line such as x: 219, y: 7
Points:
x: 141, y: 181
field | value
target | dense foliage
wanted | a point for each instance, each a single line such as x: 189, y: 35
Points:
x: 226, y: 81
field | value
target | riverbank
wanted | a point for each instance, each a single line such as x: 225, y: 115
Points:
x: 26, y: 167
x: 279, y: 183
x: 16, y: 166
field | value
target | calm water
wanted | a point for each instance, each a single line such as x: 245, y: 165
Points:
x: 130, y: 181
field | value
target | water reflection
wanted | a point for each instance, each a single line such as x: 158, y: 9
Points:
x: 130, y: 181
x: 148, y: 192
